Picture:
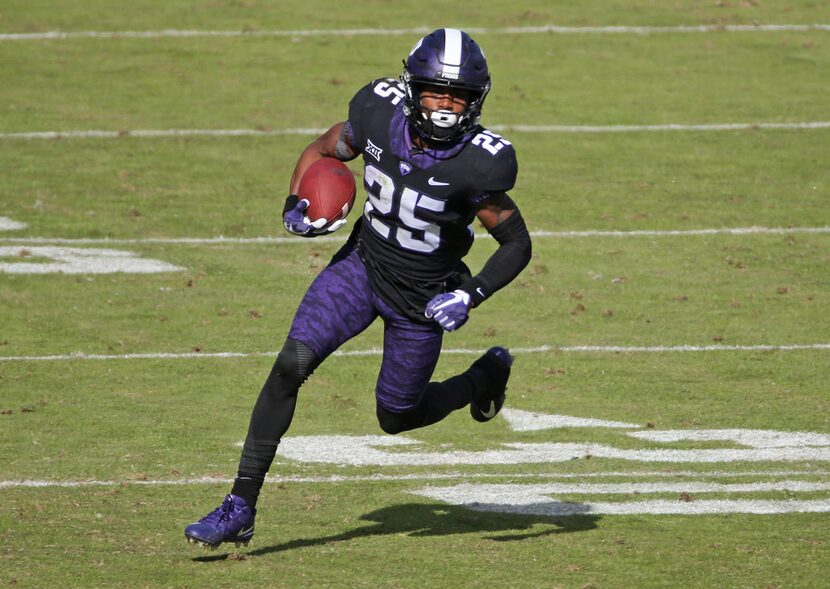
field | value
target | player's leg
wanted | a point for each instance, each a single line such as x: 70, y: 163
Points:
x: 271, y: 417
x: 406, y: 399
x: 336, y: 307
x: 482, y: 386
x: 410, y: 353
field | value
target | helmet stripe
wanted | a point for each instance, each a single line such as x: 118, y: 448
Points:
x: 452, y: 53
x: 416, y: 47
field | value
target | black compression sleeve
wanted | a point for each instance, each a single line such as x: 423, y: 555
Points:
x: 506, y: 262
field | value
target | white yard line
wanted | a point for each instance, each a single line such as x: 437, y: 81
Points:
x: 681, y: 232
x: 497, y: 490
x: 536, y: 499
x: 310, y: 131
x: 220, y: 240
x: 375, y: 32
x: 7, y: 224
x: 462, y: 351
x: 693, y: 348
x: 650, y: 128
x: 30, y: 483
x: 155, y: 133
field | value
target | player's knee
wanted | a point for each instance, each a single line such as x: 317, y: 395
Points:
x: 286, y: 367
x: 395, y: 423
x: 391, y: 423
x: 295, y: 362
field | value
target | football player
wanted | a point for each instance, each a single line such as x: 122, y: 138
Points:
x: 430, y: 169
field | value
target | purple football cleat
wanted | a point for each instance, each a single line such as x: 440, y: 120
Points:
x: 495, y: 368
x: 233, y: 521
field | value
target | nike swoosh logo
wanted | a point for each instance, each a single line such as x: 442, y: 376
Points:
x: 479, y: 291
x: 490, y: 413
x: 433, y: 182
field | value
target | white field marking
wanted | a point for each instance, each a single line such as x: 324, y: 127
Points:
x: 682, y: 232
x: 520, y: 420
x: 375, y: 32
x: 162, y: 133
x: 334, y: 479
x: 533, y: 500
x: 7, y: 224
x: 754, y: 438
x: 79, y: 261
x: 151, y: 356
x: 652, y: 128
x: 365, y: 450
x: 460, y: 351
x: 688, y: 348
x: 523, y: 421
x: 220, y: 240
x: 529, y: 493
x: 370, y: 450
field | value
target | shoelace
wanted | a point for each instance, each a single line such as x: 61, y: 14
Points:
x: 227, y: 509
x: 221, y: 513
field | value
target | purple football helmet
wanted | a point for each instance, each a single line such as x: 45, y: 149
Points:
x: 445, y: 57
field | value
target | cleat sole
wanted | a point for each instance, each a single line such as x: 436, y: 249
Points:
x: 208, y: 546
x: 201, y: 543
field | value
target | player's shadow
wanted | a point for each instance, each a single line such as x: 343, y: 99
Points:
x: 418, y: 519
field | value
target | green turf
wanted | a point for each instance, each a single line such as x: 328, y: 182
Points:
x: 47, y: 15
x: 145, y: 410
x: 141, y: 435
x: 764, y: 289
x: 138, y: 187
x: 105, y: 84
x: 357, y: 536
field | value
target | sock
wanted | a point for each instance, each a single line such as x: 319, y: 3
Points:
x: 442, y: 398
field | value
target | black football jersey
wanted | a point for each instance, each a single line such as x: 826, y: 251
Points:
x: 417, y: 220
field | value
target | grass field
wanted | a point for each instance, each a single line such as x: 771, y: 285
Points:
x: 668, y: 418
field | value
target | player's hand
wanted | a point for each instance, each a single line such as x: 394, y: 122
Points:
x: 295, y: 219
x: 297, y: 222
x: 449, y: 309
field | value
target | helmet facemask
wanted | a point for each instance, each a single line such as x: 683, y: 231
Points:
x: 442, y: 125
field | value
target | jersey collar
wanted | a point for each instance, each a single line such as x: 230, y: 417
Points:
x: 403, y: 148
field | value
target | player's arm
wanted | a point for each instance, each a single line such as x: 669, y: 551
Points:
x: 503, y: 220
x: 337, y: 143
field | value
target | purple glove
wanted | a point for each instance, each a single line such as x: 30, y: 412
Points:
x: 296, y: 222
x: 449, y: 309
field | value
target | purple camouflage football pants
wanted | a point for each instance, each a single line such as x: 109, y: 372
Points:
x: 340, y: 304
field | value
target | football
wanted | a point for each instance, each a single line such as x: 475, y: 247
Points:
x: 329, y: 187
